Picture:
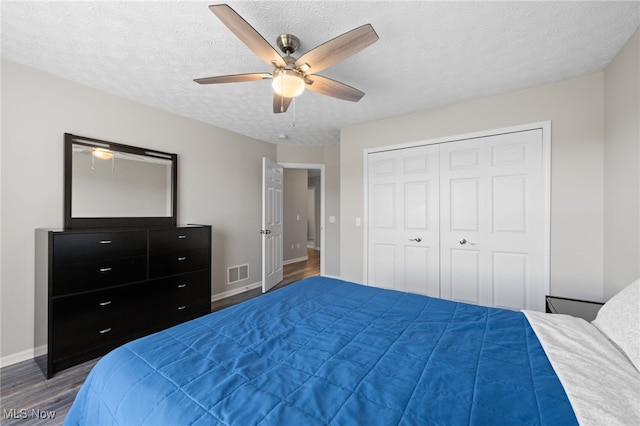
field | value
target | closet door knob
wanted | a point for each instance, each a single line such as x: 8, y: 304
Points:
x: 464, y: 241
x: 417, y: 239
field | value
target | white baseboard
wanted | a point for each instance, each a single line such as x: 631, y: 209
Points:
x: 299, y: 259
x: 5, y: 361
x: 235, y: 291
x: 334, y: 277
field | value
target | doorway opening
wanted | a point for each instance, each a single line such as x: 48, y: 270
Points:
x: 307, y: 219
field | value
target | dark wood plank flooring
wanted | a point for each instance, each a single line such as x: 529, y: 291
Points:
x: 290, y: 274
x: 27, y: 398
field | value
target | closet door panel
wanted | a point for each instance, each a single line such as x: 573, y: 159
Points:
x: 463, y: 217
x: 509, y: 279
x: 384, y: 269
x: 418, y: 277
x: 465, y: 275
x: 403, y: 227
x: 492, y: 205
x: 517, y: 221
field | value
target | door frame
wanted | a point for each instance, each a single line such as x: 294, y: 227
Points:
x: 321, y: 167
x: 545, y: 126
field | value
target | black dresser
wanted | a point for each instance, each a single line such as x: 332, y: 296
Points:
x: 106, y: 287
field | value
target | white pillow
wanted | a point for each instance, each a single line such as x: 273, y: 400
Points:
x: 619, y: 320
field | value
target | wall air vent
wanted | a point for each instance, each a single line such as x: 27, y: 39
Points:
x: 237, y: 273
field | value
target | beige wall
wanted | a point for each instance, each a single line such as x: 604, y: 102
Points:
x: 314, y: 182
x: 219, y: 181
x: 622, y: 168
x: 575, y: 108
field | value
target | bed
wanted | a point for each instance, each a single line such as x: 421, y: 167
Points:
x: 325, y: 351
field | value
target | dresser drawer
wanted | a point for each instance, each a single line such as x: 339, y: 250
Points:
x: 77, y: 248
x: 167, y: 241
x: 189, y: 311
x: 187, y: 288
x: 95, y: 319
x: 187, y: 296
x: 87, y: 321
x: 179, y: 262
x: 87, y: 276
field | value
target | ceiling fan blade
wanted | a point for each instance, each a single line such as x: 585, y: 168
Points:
x: 338, y: 49
x: 280, y: 103
x: 235, y: 78
x: 329, y: 87
x: 247, y: 34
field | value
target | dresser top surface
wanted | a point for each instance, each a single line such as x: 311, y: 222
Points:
x: 130, y: 229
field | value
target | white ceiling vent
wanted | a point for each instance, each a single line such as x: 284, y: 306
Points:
x: 237, y: 273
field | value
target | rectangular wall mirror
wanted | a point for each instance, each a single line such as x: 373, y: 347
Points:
x: 114, y: 185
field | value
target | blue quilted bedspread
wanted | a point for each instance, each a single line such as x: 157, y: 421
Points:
x: 324, y: 351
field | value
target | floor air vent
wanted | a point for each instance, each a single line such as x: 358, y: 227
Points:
x: 237, y: 273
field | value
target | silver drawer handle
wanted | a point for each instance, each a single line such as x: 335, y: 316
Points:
x: 105, y: 241
x: 105, y: 331
x: 181, y: 307
x: 182, y: 237
x: 180, y: 259
x: 182, y: 285
x: 107, y: 303
x: 105, y: 269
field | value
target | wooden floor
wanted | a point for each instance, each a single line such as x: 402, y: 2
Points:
x: 290, y: 274
x: 27, y: 398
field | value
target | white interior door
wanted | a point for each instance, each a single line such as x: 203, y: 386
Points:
x: 492, y: 221
x: 403, y: 245
x: 271, y: 224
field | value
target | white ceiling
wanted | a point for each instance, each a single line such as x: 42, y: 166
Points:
x: 429, y: 54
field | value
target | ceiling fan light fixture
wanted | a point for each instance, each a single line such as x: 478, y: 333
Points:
x: 287, y: 83
x: 102, y: 153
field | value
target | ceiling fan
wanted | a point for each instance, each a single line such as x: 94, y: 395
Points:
x: 291, y: 76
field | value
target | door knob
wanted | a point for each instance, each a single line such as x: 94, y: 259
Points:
x: 417, y: 239
x: 464, y: 241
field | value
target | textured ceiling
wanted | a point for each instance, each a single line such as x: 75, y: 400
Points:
x: 429, y: 54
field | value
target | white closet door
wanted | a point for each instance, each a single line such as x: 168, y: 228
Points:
x: 492, y: 221
x: 403, y: 249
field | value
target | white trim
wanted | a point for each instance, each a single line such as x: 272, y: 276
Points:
x: 233, y: 292
x: 299, y: 259
x: 454, y: 138
x: 545, y: 126
x: 546, y: 175
x: 334, y: 277
x: 22, y: 356
x: 308, y: 166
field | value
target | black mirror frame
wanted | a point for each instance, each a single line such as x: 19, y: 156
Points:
x: 71, y: 222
